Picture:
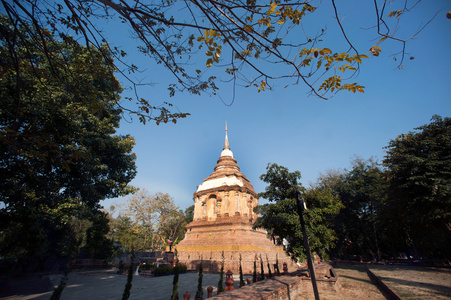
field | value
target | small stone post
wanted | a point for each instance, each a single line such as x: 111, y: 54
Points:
x: 285, y: 268
x: 187, y: 295
x: 249, y: 281
x: 209, y: 291
x: 229, y: 281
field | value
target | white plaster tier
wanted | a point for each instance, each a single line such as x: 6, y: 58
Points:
x: 218, y: 182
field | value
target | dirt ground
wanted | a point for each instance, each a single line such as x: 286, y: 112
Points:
x: 406, y: 281
x: 354, y: 284
x: 415, y: 282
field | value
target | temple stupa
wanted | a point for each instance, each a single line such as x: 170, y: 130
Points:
x: 222, y: 224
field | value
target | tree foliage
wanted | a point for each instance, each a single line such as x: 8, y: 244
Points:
x: 418, y: 205
x: 245, y: 39
x: 189, y: 214
x: 97, y: 243
x: 371, y: 211
x: 361, y: 190
x: 147, y: 221
x: 59, y: 155
x: 122, y: 230
x: 281, y: 220
x: 401, y: 209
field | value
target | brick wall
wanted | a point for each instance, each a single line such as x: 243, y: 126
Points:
x: 212, y: 260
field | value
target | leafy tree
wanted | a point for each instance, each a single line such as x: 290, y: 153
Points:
x: 189, y: 214
x: 281, y: 219
x: 361, y: 190
x: 80, y: 226
x: 145, y: 220
x: 244, y: 39
x: 59, y: 155
x: 418, y: 206
x: 123, y: 231
x: 97, y: 243
x: 172, y: 223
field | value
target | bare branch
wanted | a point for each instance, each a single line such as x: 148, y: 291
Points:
x: 258, y: 36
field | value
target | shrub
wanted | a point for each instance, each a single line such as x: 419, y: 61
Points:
x: 254, y: 275
x: 146, y: 267
x: 175, y: 284
x: 200, y: 293
x: 169, y: 270
x: 241, y: 275
x: 128, y: 285
x: 221, y: 276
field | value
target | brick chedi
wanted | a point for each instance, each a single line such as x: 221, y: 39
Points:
x: 222, y: 224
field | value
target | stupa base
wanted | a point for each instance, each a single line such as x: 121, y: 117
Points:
x: 212, y: 259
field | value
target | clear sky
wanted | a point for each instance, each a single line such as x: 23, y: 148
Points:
x: 287, y: 126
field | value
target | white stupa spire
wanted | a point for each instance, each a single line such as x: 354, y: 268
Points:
x: 226, y: 150
x: 226, y: 142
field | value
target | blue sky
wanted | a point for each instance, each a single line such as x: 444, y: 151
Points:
x: 287, y: 126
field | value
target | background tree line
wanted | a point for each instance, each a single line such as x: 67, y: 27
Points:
x: 148, y: 222
x: 400, y: 207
